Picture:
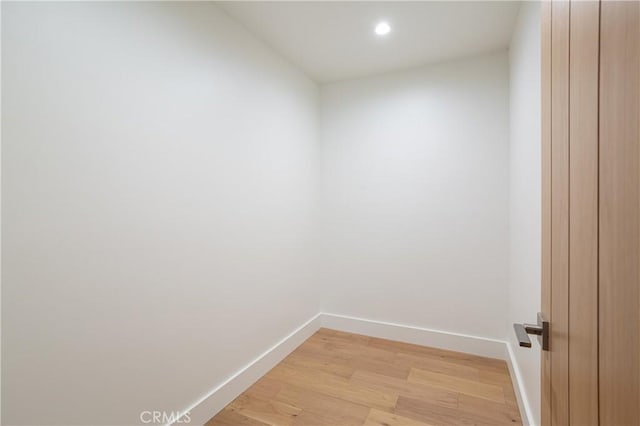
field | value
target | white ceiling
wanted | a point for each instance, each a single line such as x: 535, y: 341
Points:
x: 333, y: 41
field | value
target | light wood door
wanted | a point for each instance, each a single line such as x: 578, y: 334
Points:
x: 591, y: 212
x: 619, y: 301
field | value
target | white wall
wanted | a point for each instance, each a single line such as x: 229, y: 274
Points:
x: 159, y: 178
x: 525, y: 197
x: 159, y: 172
x: 415, y: 170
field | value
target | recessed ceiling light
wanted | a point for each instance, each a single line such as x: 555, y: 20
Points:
x: 383, y: 28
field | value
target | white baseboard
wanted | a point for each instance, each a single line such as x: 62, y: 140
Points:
x: 215, y: 400
x: 475, y: 345
x: 224, y: 393
x: 516, y: 379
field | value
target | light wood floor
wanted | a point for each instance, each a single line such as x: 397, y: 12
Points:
x: 336, y: 379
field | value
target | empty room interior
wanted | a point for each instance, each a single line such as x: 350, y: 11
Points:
x: 320, y: 213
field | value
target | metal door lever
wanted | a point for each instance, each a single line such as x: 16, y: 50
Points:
x: 541, y: 329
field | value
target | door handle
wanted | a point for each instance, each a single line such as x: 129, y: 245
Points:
x: 541, y: 329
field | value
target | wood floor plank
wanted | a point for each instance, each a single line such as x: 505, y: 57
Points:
x: 327, y: 365
x: 320, y: 409
x: 481, y: 363
x: 342, y: 379
x: 344, y: 350
x: 229, y: 417
x: 383, y: 418
x: 510, y: 396
x: 429, y: 413
x: 265, y: 388
x: 271, y: 412
x: 332, y: 385
x: 438, y: 365
x: 456, y: 384
x: 405, y: 388
x: 357, y: 357
x: 347, y: 337
x: 502, y: 413
x: 493, y: 378
x: 324, y: 418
